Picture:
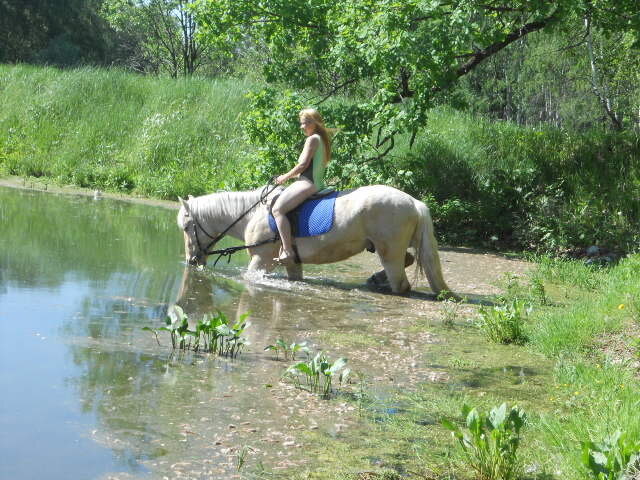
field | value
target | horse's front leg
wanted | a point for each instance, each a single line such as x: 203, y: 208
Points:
x: 294, y: 271
x: 261, y: 259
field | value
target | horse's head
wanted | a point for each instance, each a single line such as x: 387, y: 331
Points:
x: 196, y: 240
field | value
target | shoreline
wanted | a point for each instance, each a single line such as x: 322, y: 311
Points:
x: 46, y: 185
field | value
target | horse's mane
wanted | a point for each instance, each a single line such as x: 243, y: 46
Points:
x: 225, y: 204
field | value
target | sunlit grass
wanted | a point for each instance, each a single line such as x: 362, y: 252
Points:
x: 113, y: 130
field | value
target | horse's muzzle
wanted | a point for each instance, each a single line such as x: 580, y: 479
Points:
x: 198, y: 261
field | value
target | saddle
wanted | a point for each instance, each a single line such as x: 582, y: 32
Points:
x: 312, y: 217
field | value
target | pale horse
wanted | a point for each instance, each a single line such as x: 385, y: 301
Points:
x: 372, y: 217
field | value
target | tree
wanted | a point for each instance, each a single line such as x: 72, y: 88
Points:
x: 159, y: 35
x: 59, y: 32
x: 402, y: 56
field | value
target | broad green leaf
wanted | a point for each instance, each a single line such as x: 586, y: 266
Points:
x: 337, y: 365
x: 449, y: 425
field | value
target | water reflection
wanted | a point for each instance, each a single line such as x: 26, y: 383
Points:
x: 202, y: 293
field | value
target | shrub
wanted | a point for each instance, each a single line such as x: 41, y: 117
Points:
x: 490, y: 442
x: 505, y: 323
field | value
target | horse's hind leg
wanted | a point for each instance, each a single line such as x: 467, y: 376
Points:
x: 393, y: 261
x: 379, y: 279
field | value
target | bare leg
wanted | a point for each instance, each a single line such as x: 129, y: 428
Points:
x: 294, y: 195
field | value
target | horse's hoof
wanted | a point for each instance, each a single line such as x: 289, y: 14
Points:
x: 379, y: 281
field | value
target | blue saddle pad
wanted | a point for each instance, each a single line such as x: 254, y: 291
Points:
x: 313, y: 217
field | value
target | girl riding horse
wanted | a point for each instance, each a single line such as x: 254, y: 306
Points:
x: 310, y: 168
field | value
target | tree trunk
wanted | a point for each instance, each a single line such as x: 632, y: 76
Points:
x: 600, y: 88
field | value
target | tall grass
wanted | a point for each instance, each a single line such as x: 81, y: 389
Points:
x: 117, y: 131
x: 596, y: 391
x: 545, y: 188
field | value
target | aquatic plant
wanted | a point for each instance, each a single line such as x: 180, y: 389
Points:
x: 362, y: 395
x: 242, y: 457
x: 154, y: 331
x: 214, y: 334
x: 613, y: 459
x: 318, y: 373
x: 288, y: 350
x: 505, y: 323
x: 177, y: 324
x: 490, y: 442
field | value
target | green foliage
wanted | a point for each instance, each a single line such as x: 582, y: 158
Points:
x: 490, y: 442
x: 613, y: 459
x: 539, y: 188
x: 272, y: 123
x: 395, y: 60
x: 215, y: 334
x: 288, y: 350
x: 318, y: 373
x: 159, y: 36
x: 505, y: 323
x: 55, y: 32
x: 541, y: 81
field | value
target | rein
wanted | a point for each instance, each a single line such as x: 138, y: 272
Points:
x: 227, y: 252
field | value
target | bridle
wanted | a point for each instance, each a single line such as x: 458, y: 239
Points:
x: 266, y: 191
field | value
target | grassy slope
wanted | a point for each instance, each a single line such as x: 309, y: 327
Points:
x: 117, y: 131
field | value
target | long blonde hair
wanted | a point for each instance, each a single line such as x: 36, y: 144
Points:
x: 312, y: 115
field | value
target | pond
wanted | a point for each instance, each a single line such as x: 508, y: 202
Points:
x: 86, y: 393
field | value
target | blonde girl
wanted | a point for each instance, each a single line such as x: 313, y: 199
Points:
x: 309, y: 171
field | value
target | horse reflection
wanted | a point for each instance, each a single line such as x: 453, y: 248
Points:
x: 202, y: 295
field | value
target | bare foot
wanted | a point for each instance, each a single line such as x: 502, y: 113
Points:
x: 285, y: 258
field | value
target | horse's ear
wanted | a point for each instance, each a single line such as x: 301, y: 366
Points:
x: 190, y: 197
x: 185, y: 204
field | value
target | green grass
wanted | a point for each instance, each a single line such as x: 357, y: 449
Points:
x: 116, y: 131
x: 592, y: 297
x: 595, y: 394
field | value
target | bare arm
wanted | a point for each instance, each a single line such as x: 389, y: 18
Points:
x: 306, y: 157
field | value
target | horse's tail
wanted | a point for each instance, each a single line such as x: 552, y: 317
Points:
x: 427, y: 258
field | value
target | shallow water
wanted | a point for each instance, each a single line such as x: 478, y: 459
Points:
x: 87, y: 394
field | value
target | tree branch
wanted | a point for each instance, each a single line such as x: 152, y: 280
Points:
x: 478, y: 57
x: 335, y: 90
